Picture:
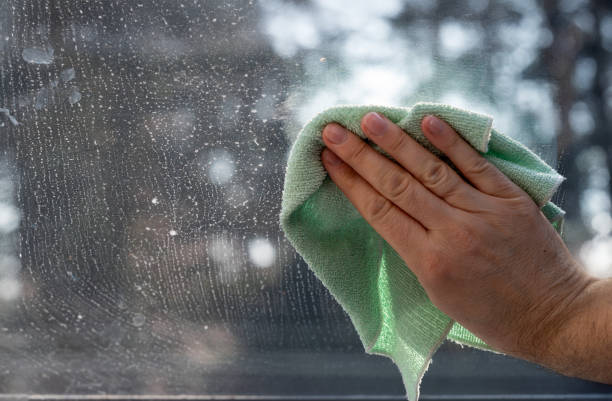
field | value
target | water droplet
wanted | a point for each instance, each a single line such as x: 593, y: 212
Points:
x: 138, y: 320
x: 172, y: 233
x: 155, y: 201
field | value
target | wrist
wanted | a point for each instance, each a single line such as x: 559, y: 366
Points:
x: 558, y: 319
x: 579, y: 332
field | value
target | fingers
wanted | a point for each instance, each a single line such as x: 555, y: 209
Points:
x: 478, y: 170
x: 389, y: 179
x: 395, y: 226
x: 434, y: 174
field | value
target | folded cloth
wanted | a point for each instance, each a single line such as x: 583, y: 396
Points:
x: 388, y: 307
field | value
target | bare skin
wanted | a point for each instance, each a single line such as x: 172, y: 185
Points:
x: 484, y: 253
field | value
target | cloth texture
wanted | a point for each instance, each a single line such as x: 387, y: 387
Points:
x: 390, y: 310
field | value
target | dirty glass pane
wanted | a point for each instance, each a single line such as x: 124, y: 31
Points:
x: 142, y: 153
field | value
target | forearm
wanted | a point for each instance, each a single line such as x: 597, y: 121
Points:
x: 582, y: 346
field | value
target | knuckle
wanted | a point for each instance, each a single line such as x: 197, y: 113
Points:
x: 521, y: 207
x: 379, y: 208
x: 396, y: 185
x: 400, y: 141
x: 436, y: 174
x: 480, y: 166
x: 505, y: 186
x: 359, y: 151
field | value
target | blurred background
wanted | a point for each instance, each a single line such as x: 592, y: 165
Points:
x: 142, y: 151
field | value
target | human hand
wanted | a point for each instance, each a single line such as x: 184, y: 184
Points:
x: 484, y: 253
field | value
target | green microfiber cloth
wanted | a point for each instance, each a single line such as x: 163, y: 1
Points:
x: 388, y: 307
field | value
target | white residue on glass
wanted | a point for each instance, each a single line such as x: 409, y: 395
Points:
x: 43, y: 98
x: 237, y: 195
x: 8, y: 115
x: 68, y: 75
x: 35, y: 55
x: 74, y: 96
x: 223, y: 252
x: 265, y: 107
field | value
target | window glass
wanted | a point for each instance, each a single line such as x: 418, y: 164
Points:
x: 142, y: 152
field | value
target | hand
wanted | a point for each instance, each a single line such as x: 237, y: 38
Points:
x: 484, y: 253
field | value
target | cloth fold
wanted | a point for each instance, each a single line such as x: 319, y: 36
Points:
x: 390, y: 310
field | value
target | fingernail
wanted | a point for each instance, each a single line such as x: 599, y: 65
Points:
x: 435, y: 125
x: 375, y: 124
x: 335, y: 133
x: 331, y: 158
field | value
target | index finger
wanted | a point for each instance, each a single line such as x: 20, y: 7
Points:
x: 395, y: 226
